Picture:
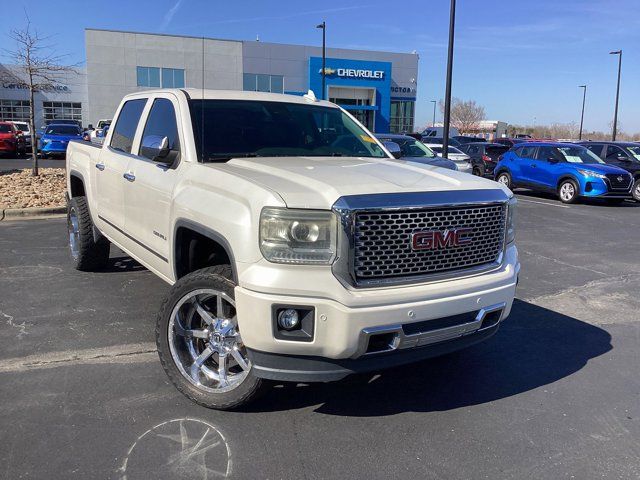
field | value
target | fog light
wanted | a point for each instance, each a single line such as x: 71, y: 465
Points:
x: 288, y: 319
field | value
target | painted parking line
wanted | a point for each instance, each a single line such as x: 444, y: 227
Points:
x: 526, y: 200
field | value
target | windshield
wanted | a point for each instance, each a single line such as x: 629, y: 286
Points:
x: 579, y: 155
x: 4, y: 128
x: 62, y: 130
x: 635, y: 151
x: 244, y: 128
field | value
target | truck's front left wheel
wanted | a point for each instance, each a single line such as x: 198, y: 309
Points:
x: 199, y: 341
x: 87, y: 253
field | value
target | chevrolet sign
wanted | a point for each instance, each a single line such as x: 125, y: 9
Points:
x: 354, y: 73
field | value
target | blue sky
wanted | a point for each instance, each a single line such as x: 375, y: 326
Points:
x: 521, y: 60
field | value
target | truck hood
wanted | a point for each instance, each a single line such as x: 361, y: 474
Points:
x: 317, y: 182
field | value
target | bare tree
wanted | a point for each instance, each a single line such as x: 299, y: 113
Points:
x: 465, y: 114
x: 40, y: 68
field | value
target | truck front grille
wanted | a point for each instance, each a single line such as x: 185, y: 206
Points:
x: 384, y: 247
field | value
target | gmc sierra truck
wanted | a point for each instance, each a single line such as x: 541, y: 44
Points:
x: 296, y: 246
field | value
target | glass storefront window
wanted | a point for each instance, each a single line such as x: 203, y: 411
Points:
x: 252, y: 82
x: 14, y: 110
x: 402, y: 116
x: 62, y: 110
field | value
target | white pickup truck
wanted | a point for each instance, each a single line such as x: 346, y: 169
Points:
x: 298, y: 248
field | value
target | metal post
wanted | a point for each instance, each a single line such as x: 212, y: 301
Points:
x: 584, y: 98
x: 615, y: 115
x: 323, y: 26
x: 433, y: 124
x: 447, y: 99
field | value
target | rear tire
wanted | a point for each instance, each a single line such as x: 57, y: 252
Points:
x: 477, y: 171
x: 87, y: 254
x: 505, y: 179
x: 568, y: 191
x: 197, y: 332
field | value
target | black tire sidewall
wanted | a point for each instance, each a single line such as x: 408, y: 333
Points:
x: 92, y: 255
x: 217, y: 278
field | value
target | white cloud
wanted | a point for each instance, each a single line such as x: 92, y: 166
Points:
x: 170, y: 14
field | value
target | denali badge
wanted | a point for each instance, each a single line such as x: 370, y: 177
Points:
x: 439, y: 239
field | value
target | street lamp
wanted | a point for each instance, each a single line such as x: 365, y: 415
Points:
x: 433, y: 124
x: 615, y: 115
x: 447, y: 96
x: 584, y: 97
x: 323, y: 26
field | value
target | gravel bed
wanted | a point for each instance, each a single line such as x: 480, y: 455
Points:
x: 19, y: 189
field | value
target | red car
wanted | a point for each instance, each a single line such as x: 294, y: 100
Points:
x: 11, y: 141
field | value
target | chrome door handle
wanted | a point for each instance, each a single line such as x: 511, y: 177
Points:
x: 130, y: 177
x: 100, y: 166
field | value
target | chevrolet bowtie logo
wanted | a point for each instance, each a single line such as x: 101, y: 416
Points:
x: 328, y: 71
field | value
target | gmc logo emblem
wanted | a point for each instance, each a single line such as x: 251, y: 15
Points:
x: 439, y: 239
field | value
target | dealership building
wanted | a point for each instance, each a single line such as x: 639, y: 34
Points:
x: 378, y: 88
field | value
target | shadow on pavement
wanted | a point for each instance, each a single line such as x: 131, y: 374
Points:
x: 122, y: 264
x: 534, y: 347
x: 597, y: 202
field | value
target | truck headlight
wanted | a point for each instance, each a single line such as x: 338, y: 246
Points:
x: 511, y: 217
x: 298, y: 236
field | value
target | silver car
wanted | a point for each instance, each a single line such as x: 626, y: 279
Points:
x: 461, y: 159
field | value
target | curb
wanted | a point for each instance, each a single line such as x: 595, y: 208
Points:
x: 29, y: 213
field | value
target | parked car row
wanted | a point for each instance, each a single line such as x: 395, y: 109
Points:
x: 608, y: 170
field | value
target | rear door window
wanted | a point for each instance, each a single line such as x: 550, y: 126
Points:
x: 126, y: 125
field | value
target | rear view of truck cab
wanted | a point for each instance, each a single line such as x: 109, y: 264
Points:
x: 297, y: 247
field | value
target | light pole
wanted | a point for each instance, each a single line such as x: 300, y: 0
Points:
x: 323, y: 26
x: 584, y: 98
x: 615, y: 115
x: 433, y: 124
x: 447, y: 96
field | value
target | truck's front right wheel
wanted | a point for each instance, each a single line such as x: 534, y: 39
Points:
x: 199, y: 341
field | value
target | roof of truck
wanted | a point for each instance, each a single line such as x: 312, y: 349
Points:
x: 199, y: 94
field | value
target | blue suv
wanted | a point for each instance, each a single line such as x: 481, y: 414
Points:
x: 569, y: 170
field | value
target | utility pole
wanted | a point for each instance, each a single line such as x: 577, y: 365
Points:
x: 615, y: 115
x: 323, y: 26
x: 584, y: 98
x: 447, y: 99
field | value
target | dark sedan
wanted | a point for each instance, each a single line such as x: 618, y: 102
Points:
x: 415, y: 151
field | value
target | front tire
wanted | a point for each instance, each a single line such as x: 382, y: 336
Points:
x: 199, y: 341
x: 568, y: 191
x: 87, y: 254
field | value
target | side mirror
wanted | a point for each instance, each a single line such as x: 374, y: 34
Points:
x: 624, y: 158
x: 552, y: 160
x: 157, y: 149
x: 393, y: 148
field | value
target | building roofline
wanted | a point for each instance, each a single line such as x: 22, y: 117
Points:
x: 240, y: 41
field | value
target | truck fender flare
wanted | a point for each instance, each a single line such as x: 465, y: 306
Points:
x: 206, y: 232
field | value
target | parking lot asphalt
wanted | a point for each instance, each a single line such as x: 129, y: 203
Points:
x: 555, y: 394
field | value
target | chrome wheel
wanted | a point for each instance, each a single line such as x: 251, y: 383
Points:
x: 636, y: 191
x: 73, y: 228
x: 205, y: 343
x: 504, y: 180
x: 567, y: 191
